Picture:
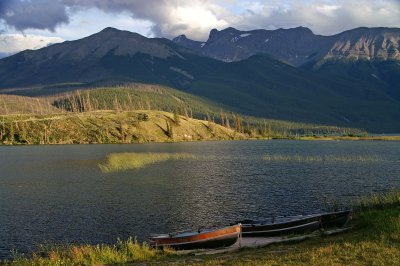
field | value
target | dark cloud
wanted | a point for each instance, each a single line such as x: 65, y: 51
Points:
x: 159, y: 12
x: 33, y: 14
x: 197, y: 17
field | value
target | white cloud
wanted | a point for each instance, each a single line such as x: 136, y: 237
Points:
x: 323, y: 17
x: 12, y: 43
x: 168, y: 18
x: 195, y: 18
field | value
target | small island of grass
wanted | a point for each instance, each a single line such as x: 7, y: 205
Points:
x: 125, y: 161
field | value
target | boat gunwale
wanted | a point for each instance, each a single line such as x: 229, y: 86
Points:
x: 281, y: 229
x: 226, y: 236
x: 290, y: 219
x: 175, y: 235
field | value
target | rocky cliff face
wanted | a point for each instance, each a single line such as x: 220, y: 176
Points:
x: 366, y: 44
x: 300, y: 46
x: 184, y: 41
x: 292, y: 45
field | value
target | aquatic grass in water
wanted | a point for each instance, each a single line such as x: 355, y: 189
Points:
x: 322, y: 158
x: 125, y: 161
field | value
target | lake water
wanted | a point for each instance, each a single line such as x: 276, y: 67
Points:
x: 58, y: 193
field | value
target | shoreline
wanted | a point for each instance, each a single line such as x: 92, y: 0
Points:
x: 301, y: 138
x: 375, y: 228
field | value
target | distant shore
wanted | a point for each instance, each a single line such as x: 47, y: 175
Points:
x: 104, y: 127
x: 378, y: 138
x: 141, y: 126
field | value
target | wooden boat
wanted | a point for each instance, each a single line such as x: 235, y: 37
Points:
x: 277, y: 227
x: 294, y: 224
x: 199, y: 239
x: 335, y: 219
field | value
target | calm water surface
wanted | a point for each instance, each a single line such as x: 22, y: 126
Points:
x: 58, y: 193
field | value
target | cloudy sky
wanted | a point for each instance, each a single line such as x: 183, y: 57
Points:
x: 36, y: 23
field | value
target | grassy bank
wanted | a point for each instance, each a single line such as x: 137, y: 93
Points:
x: 110, y: 127
x: 135, y: 126
x: 374, y: 240
x: 365, y: 137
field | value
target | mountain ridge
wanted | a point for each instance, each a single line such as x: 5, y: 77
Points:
x: 299, y: 46
x: 258, y: 86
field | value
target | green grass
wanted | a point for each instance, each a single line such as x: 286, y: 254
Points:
x: 378, y: 201
x: 322, y: 158
x: 109, y: 127
x: 122, y: 252
x: 125, y: 161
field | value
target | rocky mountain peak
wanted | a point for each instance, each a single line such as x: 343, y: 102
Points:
x: 110, y: 29
x: 180, y: 38
x: 216, y: 34
x: 299, y: 46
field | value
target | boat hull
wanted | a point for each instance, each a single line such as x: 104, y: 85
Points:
x: 335, y: 219
x: 199, y: 240
x: 295, y: 224
x: 268, y: 230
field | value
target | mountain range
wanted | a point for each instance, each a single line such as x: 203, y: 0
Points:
x: 348, y: 79
x: 299, y: 46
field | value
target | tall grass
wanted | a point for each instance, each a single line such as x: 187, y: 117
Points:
x: 322, y: 158
x: 124, y: 161
x: 128, y: 251
x: 378, y: 201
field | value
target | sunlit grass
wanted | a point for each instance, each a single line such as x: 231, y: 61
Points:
x: 128, y: 251
x: 322, y: 158
x: 125, y: 161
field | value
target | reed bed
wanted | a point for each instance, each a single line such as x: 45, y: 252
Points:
x: 125, y: 161
x: 322, y: 158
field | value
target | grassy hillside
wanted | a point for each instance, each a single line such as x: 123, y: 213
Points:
x: 109, y: 127
x: 12, y: 104
x: 142, y: 98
